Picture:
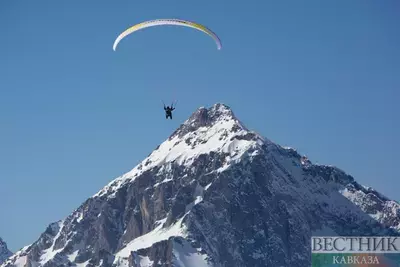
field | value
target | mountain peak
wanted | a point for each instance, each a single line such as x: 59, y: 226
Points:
x: 213, y: 194
x: 207, y: 130
x: 212, y: 130
x: 204, y: 117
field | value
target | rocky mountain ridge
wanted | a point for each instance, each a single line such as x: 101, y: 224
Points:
x: 213, y: 194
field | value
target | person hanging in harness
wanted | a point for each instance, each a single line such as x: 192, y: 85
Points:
x: 168, y: 111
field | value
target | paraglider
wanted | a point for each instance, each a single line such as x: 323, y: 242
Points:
x: 159, y: 22
x: 168, y: 111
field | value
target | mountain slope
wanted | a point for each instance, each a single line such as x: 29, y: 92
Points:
x: 4, y: 251
x: 213, y: 194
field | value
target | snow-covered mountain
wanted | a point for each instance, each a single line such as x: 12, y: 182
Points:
x: 213, y: 194
x: 4, y: 251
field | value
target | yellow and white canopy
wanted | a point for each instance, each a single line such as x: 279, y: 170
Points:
x: 159, y: 22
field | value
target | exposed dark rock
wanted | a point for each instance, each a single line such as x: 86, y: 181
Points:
x: 237, y: 200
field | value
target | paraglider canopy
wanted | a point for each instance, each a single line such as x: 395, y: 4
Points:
x: 159, y: 22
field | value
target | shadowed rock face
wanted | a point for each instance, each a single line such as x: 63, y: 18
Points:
x: 213, y: 194
x: 4, y: 251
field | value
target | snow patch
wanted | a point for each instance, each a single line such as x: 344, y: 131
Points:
x: 49, y: 253
x: 80, y: 217
x: 83, y: 264
x: 156, y: 235
x: 21, y: 261
x: 142, y: 261
x: 166, y: 180
x: 198, y: 197
x: 145, y: 262
x: 185, y: 255
x: 73, y: 255
x: 207, y: 186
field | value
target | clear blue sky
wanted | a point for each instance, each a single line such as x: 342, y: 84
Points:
x: 320, y: 76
